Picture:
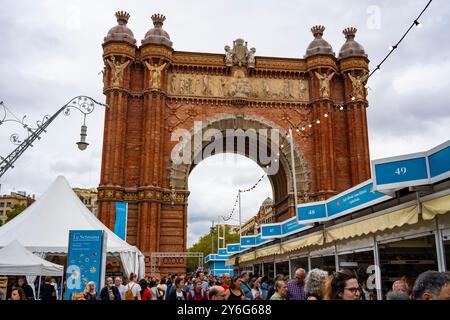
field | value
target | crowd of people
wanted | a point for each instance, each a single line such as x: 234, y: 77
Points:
x: 317, y: 284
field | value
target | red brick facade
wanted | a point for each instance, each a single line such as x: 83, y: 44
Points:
x: 330, y: 156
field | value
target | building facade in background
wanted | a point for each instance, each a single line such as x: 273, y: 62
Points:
x: 7, y: 203
x: 265, y: 215
x: 89, y: 197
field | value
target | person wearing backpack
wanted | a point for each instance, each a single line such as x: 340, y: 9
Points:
x: 197, y: 293
x: 133, y: 290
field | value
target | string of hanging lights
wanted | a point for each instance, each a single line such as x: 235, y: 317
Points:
x: 237, y: 198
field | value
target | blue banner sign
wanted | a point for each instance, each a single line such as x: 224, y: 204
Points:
x: 291, y: 226
x: 86, y: 260
x: 247, y: 241
x: 259, y: 239
x: 354, y: 199
x: 271, y: 230
x: 223, y: 251
x: 216, y: 257
x: 439, y: 162
x: 233, y: 248
x: 281, y: 229
x: 399, y: 172
x: 120, y: 227
x: 312, y: 212
x: 251, y: 241
x: 412, y: 169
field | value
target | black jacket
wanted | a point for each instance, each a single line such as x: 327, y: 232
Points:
x: 28, y: 291
x: 173, y: 295
x: 48, y: 292
x: 105, y: 296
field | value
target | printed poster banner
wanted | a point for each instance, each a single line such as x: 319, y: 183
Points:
x: 86, y: 260
x: 120, y: 227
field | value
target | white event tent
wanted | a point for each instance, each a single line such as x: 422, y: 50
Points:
x: 16, y: 260
x: 43, y: 228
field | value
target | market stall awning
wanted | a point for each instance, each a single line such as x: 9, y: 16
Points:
x: 306, y: 241
x: 247, y: 257
x: 435, y: 207
x: 390, y: 220
x: 230, y: 262
x: 268, y: 251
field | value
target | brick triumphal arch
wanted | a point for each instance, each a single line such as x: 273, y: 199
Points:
x: 153, y: 91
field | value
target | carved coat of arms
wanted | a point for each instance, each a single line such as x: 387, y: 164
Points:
x: 240, y: 55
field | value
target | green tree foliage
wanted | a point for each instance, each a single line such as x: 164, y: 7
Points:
x: 16, y: 210
x: 204, y: 245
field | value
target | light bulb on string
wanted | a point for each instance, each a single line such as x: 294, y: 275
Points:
x: 310, y: 125
x: 326, y: 115
x: 297, y: 130
x: 318, y: 121
x: 353, y: 98
x: 303, y: 128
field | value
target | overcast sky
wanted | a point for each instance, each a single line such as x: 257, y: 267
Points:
x: 51, y: 51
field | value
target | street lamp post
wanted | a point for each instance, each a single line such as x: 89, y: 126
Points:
x: 84, y: 104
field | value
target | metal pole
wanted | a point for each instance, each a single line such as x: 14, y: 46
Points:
x: 212, y: 236
x: 376, y: 257
x: 262, y: 269
x: 290, y: 267
x: 240, y: 221
x: 439, y: 248
x: 223, y: 234
x: 294, y: 178
x: 309, y: 262
x: 274, y: 269
x: 336, y: 257
x: 218, y: 234
x: 39, y: 288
